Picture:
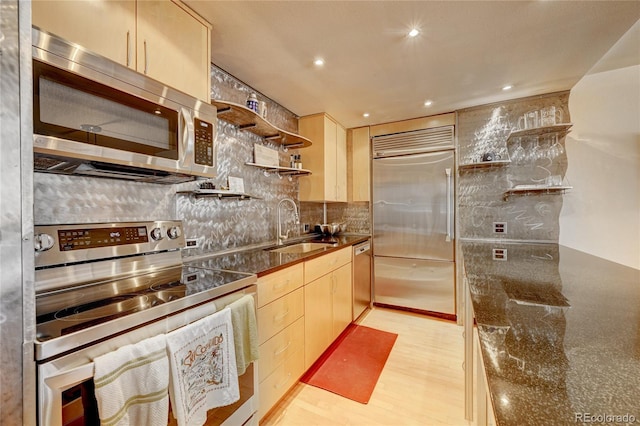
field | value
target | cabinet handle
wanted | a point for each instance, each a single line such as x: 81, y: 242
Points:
x: 280, y: 285
x: 283, y: 382
x: 279, y: 351
x: 128, y: 49
x: 146, y: 58
x: 280, y: 317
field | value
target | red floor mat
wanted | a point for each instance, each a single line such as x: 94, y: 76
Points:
x: 350, y: 367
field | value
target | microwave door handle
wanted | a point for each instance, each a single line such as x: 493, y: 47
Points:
x: 187, y: 139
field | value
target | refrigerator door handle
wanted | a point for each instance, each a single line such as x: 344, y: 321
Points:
x: 449, y: 221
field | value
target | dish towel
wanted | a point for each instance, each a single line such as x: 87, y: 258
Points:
x: 245, y: 332
x: 131, y: 384
x: 203, y: 368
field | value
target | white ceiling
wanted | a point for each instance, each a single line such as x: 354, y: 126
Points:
x: 466, y: 51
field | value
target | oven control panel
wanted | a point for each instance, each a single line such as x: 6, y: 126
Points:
x: 83, y: 238
x: 61, y: 244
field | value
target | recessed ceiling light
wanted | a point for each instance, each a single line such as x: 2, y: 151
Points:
x: 414, y: 32
x: 507, y: 87
x: 365, y: 115
x: 428, y: 103
x: 318, y: 62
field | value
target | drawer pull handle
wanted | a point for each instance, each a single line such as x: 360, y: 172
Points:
x: 128, y: 49
x: 283, y: 382
x: 280, y: 286
x: 282, y: 316
x: 279, y: 351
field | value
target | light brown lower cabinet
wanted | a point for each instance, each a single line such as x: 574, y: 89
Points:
x: 301, y: 310
x: 327, y: 301
x: 280, y: 334
x: 281, y: 364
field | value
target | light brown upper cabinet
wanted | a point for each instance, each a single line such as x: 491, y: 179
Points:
x: 360, y: 164
x: 162, y: 39
x: 326, y: 158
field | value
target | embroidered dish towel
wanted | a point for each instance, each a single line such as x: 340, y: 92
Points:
x: 203, y: 368
x: 131, y: 384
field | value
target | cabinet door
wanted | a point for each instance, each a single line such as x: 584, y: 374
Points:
x: 341, y: 292
x: 277, y: 284
x: 280, y: 313
x: 275, y: 351
x: 273, y: 388
x: 341, y: 163
x: 317, y: 318
x: 326, y: 158
x: 173, y: 47
x: 104, y: 27
x: 330, y: 160
x: 360, y: 164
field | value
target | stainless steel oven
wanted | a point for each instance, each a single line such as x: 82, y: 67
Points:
x: 95, y: 117
x: 103, y: 286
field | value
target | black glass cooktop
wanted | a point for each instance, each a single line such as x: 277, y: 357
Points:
x: 66, y: 311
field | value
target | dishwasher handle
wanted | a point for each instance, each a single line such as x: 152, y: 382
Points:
x: 361, y: 248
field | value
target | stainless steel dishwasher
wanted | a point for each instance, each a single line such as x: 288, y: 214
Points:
x: 361, y: 278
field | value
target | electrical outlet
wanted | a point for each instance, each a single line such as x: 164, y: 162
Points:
x: 191, y: 243
x: 499, y: 227
x: 499, y: 254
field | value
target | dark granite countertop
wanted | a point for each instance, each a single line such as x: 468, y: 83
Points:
x: 261, y: 261
x: 559, y: 334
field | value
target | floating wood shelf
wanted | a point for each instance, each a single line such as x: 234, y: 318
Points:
x: 248, y: 120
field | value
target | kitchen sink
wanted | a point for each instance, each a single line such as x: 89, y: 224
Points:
x: 301, y: 248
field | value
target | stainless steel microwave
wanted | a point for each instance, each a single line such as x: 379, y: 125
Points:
x: 95, y: 117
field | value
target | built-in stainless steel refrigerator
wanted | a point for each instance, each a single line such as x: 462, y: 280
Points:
x: 413, y: 220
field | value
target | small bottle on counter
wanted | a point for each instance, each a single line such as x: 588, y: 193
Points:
x: 252, y: 103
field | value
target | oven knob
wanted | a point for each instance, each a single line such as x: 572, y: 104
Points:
x: 43, y: 242
x: 156, y: 234
x: 174, y: 232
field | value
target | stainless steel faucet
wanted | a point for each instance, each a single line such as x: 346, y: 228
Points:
x: 282, y: 237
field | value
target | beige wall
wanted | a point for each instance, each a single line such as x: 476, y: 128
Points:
x: 601, y: 215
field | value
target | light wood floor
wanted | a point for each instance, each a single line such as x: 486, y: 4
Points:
x: 422, y: 382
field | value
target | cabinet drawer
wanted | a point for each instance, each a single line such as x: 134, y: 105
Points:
x: 315, y: 268
x: 279, y: 283
x: 275, y: 316
x: 280, y: 381
x: 276, y: 350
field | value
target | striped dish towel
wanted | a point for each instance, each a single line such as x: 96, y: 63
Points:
x: 131, y: 384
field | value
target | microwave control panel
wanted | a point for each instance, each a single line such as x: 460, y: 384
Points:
x: 203, y: 143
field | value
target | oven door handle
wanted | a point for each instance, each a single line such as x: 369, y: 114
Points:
x: 54, y: 385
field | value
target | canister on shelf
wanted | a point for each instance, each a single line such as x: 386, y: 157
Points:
x: 262, y: 109
x: 252, y: 102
